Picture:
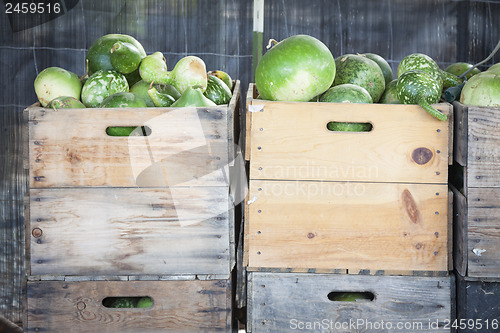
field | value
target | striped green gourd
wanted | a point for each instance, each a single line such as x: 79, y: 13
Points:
x: 419, y: 87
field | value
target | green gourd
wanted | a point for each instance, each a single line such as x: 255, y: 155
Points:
x: 419, y: 87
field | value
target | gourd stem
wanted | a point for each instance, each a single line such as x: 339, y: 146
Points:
x: 271, y: 41
x: 427, y: 107
x: 495, y: 50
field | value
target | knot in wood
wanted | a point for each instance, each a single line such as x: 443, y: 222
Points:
x: 422, y: 155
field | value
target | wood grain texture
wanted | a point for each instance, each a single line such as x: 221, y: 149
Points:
x: 483, y: 232
x: 187, y: 146
x: 290, y: 141
x: 178, y: 306
x: 483, y: 153
x: 460, y: 232
x: 460, y: 133
x: 336, y: 225
x: 477, y: 301
x: 130, y: 231
x: 279, y: 302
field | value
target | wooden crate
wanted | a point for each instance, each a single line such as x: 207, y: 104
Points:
x: 153, y: 204
x: 178, y: 306
x: 476, y: 179
x: 477, y: 305
x: 358, y: 201
x: 477, y: 232
x: 284, y: 302
x: 477, y: 145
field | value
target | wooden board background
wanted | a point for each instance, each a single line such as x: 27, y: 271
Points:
x: 335, y: 225
x: 277, y: 301
x: 290, y: 141
x: 131, y: 231
x: 178, y: 306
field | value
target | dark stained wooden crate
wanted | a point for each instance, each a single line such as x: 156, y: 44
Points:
x: 478, y: 309
x: 178, y: 306
x: 475, y: 177
x: 285, y: 302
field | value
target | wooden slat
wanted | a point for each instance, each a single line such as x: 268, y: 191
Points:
x: 70, y: 147
x: 282, y: 302
x: 291, y: 141
x: 248, y: 119
x: 483, y: 154
x: 450, y: 230
x: 460, y: 133
x: 483, y: 237
x: 335, y: 225
x: 130, y: 231
x: 179, y: 306
x: 478, y: 302
x: 460, y: 232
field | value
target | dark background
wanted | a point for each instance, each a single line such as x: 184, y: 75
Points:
x: 219, y: 32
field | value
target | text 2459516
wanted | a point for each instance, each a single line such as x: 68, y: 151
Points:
x: 32, y: 8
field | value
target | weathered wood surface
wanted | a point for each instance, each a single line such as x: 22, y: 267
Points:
x: 291, y: 141
x: 6, y: 326
x: 477, y: 305
x: 130, y: 231
x: 483, y: 232
x: 280, y: 302
x: 335, y: 225
x: 478, y: 144
x: 178, y: 306
x: 460, y: 232
x: 188, y: 146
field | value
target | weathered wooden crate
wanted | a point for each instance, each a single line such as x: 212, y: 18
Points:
x: 477, y: 305
x: 328, y: 201
x: 285, y: 302
x: 477, y: 145
x: 157, y: 203
x: 476, y: 179
x: 75, y: 305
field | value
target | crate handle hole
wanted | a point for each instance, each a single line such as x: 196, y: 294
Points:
x: 350, y: 296
x: 122, y: 302
x: 343, y: 126
x: 128, y: 131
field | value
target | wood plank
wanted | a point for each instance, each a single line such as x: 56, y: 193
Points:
x: 290, y: 141
x: 477, y: 301
x: 233, y: 121
x: 71, y: 148
x: 130, y: 231
x: 6, y: 326
x: 282, y: 302
x: 483, y: 246
x: 336, y: 225
x: 248, y: 122
x: 460, y: 133
x: 483, y: 155
x: 460, y: 232
x: 179, y: 306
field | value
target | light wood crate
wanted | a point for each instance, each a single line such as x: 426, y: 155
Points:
x: 179, y: 305
x: 326, y: 201
x: 154, y: 204
x: 476, y: 179
x: 285, y: 302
